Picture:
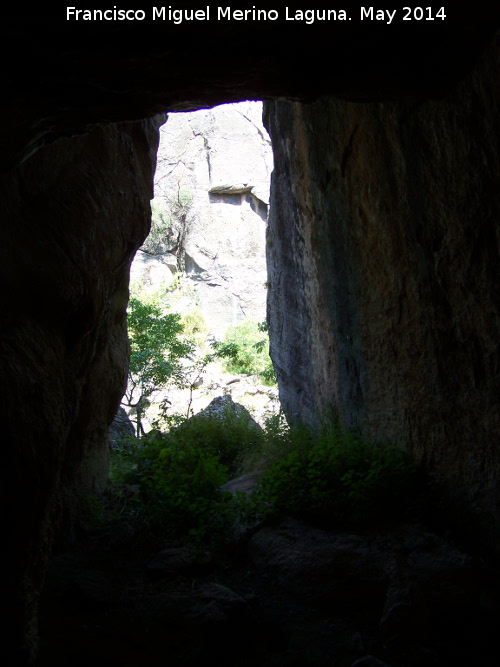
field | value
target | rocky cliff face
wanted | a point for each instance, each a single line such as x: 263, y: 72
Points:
x: 383, y: 254
x: 212, y: 195
x: 67, y: 245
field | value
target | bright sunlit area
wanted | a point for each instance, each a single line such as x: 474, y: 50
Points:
x: 197, y: 313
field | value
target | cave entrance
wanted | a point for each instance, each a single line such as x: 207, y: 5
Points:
x: 205, y: 262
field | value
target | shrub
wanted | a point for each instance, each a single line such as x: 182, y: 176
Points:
x: 160, y: 222
x: 324, y: 475
x: 167, y: 213
x: 335, y: 478
x: 156, y: 352
x: 180, y: 473
x: 195, y: 328
x: 184, y: 199
x: 179, y: 486
x: 252, y: 344
x: 229, y: 436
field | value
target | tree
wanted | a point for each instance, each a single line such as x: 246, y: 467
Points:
x: 156, y: 351
x: 169, y: 213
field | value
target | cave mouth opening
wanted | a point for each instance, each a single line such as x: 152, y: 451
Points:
x: 376, y: 586
x: 198, y: 284
x: 203, y: 268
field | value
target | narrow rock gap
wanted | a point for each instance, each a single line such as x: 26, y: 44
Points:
x: 207, y: 242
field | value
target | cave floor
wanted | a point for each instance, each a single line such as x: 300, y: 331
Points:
x: 284, y: 594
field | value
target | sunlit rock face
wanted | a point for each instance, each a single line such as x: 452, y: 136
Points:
x: 212, y: 191
x: 383, y: 251
x: 76, y: 213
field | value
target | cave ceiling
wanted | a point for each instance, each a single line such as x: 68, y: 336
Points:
x: 61, y: 76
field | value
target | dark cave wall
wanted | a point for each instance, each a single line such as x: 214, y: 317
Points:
x: 73, y: 217
x: 383, y: 255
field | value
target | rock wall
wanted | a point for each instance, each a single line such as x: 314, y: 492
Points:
x: 67, y: 244
x: 383, y: 253
x: 212, y: 189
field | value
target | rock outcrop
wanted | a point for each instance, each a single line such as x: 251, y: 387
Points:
x: 212, y: 192
x: 384, y: 288
x: 67, y: 244
x: 292, y: 595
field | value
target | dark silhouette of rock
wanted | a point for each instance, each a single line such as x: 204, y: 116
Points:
x: 121, y: 427
x: 291, y: 594
x: 384, y: 294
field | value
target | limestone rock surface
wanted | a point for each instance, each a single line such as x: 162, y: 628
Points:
x: 67, y: 244
x: 153, y: 270
x: 383, y: 258
x: 212, y: 185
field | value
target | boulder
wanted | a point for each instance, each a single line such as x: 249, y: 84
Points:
x: 153, y: 271
x: 121, y: 427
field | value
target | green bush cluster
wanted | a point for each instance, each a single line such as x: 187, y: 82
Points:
x: 251, y: 340
x: 156, y: 352
x: 180, y: 473
x: 161, y: 222
x: 195, y: 328
x: 328, y: 475
x: 325, y: 475
x: 228, y: 435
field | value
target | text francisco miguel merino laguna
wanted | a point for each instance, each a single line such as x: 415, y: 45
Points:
x: 308, y: 16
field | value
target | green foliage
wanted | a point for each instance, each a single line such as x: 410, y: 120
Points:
x: 184, y: 197
x: 161, y: 222
x: 250, y: 342
x: 178, y: 201
x: 155, y: 346
x: 166, y: 348
x: 167, y: 212
x: 324, y: 475
x: 156, y: 351
x: 195, y: 328
x: 180, y: 472
x: 331, y: 476
x: 181, y: 487
x: 229, y: 436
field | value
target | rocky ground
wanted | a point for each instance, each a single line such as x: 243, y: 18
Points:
x: 248, y: 391
x: 280, y: 595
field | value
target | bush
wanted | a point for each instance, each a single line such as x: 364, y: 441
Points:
x: 156, y: 352
x: 195, y: 328
x: 160, y: 222
x: 168, y: 212
x: 252, y: 344
x: 180, y: 473
x: 229, y: 436
x: 335, y: 478
x: 325, y: 475
x: 179, y: 487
